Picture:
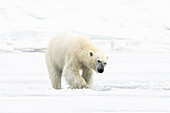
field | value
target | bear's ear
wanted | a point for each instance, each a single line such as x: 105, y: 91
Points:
x: 91, y: 53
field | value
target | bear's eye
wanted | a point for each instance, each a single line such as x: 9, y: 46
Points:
x: 98, y: 61
x: 105, y: 63
x: 91, y: 54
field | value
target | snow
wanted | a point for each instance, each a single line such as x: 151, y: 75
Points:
x: 133, y: 33
x: 134, y: 25
x: 133, y: 82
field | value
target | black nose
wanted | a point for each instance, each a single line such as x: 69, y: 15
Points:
x: 100, y: 69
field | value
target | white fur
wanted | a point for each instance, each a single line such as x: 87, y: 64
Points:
x: 66, y: 55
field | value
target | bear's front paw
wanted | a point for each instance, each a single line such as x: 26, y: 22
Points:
x: 84, y: 87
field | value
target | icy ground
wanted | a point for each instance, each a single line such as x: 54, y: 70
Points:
x: 28, y: 24
x: 133, y: 82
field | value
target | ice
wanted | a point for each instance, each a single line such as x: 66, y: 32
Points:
x: 134, y: 25
x: 134, y: 34
x: 133, y: 82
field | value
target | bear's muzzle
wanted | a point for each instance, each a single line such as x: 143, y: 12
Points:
x: 100, y: 69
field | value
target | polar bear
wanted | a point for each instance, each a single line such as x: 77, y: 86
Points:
x: 69, y: 53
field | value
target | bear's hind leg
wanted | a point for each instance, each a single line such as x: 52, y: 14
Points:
x: 55, y: 76
x: 88, y: 76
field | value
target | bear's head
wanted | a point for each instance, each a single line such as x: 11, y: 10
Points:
x: 97, y: 61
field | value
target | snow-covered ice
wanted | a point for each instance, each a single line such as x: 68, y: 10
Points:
x: 133, y: 24
x: 133, y: 82
x: 134, y: 33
